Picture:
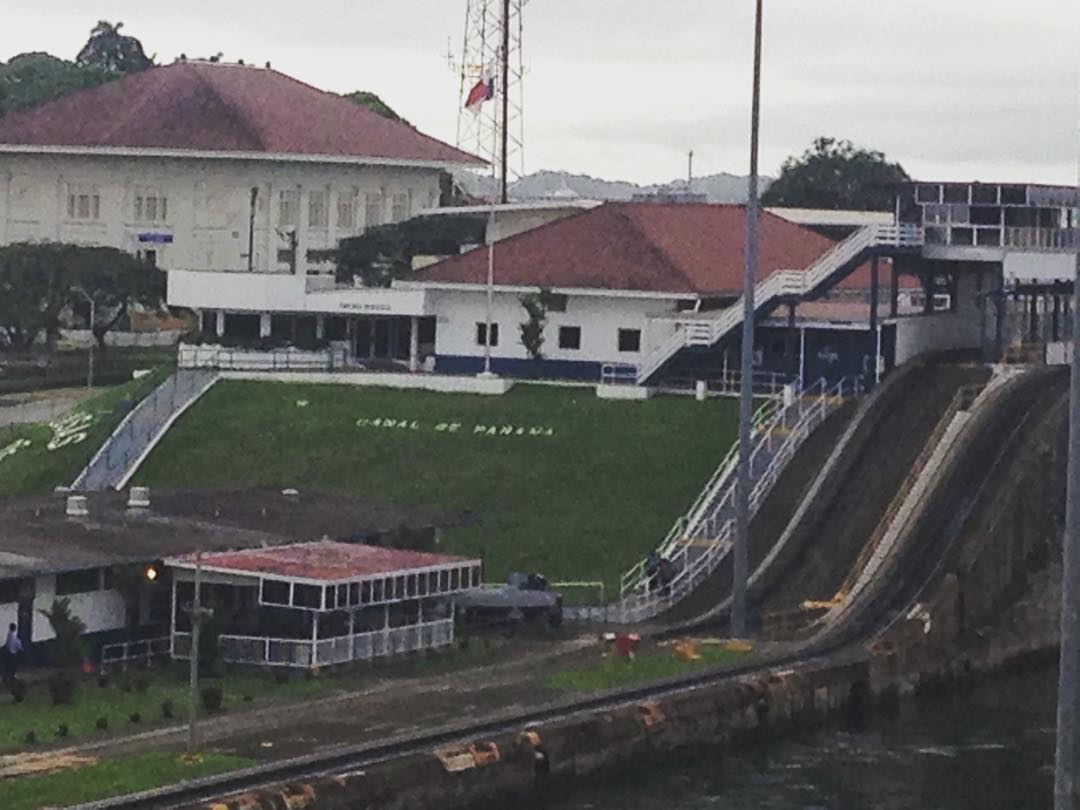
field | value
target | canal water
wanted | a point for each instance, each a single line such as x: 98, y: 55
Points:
x: 989, y: 749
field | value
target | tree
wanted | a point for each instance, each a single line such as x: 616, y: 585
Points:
x: 113, y: 52
x: 30, y: 79
x: 385, y: 252
x: 834, y: 174
x: 38, y: 281
x: 69, y: 648
x: 114, y: 280
x: 536, y: 306
x: 372, y: 102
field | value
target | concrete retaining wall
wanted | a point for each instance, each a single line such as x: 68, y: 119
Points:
x: 427, y: 382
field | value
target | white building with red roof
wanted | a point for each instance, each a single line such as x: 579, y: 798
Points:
x: 208, y: 166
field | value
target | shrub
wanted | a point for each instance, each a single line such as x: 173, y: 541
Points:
x: 62, y: 688
x: 62, y: 731
x: 142, y: 683
x: 134, y: 717
x: 18, y: 691
x: 212, y: 697
x: 103, y: 681
x: 102, y: 724
x: 281, y: 676
x: 168, y: 711
x: 69, y: 648
x: 30, y: 738
x: 249, y: 698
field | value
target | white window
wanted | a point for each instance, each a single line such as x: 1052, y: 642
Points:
x: 151, y: 205
x: 318, y: 215
x: 373, y: 209
x: 346, y: 210
x: 84, y: 203
x: 401, y: 206
x: 289, y: 207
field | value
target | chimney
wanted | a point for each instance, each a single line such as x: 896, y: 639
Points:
x: 76, y: 506
x: 139, y: 498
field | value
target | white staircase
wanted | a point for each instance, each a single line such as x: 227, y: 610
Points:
x: 122, y: 453
x: 702, y: 538
x: 706, y: 329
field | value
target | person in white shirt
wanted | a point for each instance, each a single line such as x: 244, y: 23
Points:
x: 11, y: 651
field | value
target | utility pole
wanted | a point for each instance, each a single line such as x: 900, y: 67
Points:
x: 1066, y: 789
x: 690, y: 170
x: 504, y: 86
x: 251, y: 229
x: 196, y: 626
x: 746, y: 387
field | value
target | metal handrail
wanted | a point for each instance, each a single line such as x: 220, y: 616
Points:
x: 638, y: 605
x: 706, y: 331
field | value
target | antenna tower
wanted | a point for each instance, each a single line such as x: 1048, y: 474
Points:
x: 482, y: 50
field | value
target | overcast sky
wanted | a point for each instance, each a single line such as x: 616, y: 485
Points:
x: 953, y: 89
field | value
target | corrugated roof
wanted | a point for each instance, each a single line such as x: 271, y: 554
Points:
x: 324, y: 561
x: 205, y: 107
x: 647, y: 247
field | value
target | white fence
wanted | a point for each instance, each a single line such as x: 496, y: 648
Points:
x: 306, y: 653
x: 125, y: 652
x: 283, y: 359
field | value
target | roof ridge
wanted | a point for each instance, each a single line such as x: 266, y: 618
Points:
x: 665, y: 258
x: 231, y: 110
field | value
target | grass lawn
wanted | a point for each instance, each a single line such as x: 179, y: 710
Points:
x: 112, y: 778
x: 116, y: 704
x: 579, y: 490
x: 33, y: 467
x: 615, y: 671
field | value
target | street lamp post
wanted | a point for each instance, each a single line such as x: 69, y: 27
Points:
x: 746, y: 389
x: 90, y: 353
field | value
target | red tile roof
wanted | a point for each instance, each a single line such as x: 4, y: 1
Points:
x: 199, y: 106
x: 647, y: 247
x: 324, y: 561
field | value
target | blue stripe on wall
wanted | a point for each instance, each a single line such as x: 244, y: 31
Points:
x: 521, y: 369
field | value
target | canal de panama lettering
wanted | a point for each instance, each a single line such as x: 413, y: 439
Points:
x: 71, y: 429
x: 458, y: 428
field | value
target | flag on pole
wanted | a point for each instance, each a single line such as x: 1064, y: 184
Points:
x: 483, y: 90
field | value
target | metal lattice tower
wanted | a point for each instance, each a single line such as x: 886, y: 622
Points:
x: 482, y: 49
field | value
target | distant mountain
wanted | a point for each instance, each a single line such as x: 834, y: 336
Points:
x: 550, y: 185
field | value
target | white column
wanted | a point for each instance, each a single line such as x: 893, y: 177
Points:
x: 414, y: 344
x: 220, y: 324
x: 352, y: 635
x: 172, y: 619
x: 314, y: 639
x: 264, y: 325
x: 320, y: 327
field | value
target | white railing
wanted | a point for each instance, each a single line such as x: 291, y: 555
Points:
x: 306, y: 653
x: 1041, y: 238
x: 708, y: 328
x: 125, y: 652
x: 698, y: 544
x: 728, y: 383
x: 235, y: 359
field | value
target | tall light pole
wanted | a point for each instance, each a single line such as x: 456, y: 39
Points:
x: 90, y: 352
x: 1066, y: 788
x: 746, y: 383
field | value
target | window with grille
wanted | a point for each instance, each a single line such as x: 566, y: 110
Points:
x: 289, y: 207
x: 151, y: 206
x: 400, y: 206
x: 346, y: 210
x: 373, y: 209
x: 318, y: 216
x: 84, y: 203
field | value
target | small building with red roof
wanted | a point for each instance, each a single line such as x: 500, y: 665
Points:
x: 321, y: 603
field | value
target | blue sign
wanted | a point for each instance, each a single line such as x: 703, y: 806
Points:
x: 156, y: 238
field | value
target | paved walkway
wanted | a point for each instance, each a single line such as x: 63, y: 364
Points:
x: 40, y: 406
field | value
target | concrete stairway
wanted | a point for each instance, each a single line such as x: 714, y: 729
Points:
x: 122, y: 453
